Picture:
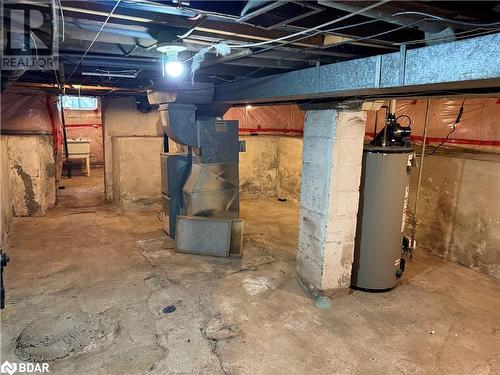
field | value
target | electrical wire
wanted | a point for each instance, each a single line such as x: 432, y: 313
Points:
x: 302, y: 32
x: 334, y: 29
x: 32, y: 37
x: 285, y: 38
x: 456, y: 36
x: 375, y: 35
x: 410, y: 122
x: 449, y: 20
x: 303, y: 37
x: 354, y: 25
x: 272, y: 47
x: 453, y: 128
x: 95, y: 38
x: 350, y: 40
x: 62, y: 19
x: 258, y: 69
x: 333, y: 45
x: 298, y: 39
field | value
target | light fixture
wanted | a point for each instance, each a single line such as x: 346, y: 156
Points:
x: 249, y: 106
x: 174, y: 68
x: 170, y: 47
x: 170, y: 52
x: 78, y: 87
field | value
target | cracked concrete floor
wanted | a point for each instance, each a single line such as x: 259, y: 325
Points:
x: 234, y: 316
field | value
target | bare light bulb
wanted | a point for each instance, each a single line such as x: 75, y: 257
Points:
x: 174, y: 68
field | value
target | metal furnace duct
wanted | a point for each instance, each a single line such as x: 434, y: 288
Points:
x: 202, y: 185
x: 174, y: 172
x: 384, y: 195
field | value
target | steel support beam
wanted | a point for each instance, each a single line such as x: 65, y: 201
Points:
x: 470, y: 63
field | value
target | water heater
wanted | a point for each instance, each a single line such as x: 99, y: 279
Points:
x: 384, y: 191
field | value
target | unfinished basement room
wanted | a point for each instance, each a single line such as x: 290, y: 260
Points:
x: 250, y: 187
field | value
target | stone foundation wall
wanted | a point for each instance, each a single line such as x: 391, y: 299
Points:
x: 31, y: 169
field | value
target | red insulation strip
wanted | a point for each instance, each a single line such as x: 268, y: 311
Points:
x: 271, y: 130
x: 83, y: 125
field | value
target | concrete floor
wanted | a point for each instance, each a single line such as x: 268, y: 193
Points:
x: 233, y: 316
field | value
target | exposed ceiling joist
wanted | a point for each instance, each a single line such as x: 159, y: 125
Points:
x: 129, y: 38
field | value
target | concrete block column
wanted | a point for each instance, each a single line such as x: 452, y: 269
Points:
x: 331, y: 172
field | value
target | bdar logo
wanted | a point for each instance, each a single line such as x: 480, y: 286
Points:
x: 8, y: 368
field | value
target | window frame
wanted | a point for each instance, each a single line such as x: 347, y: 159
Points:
x: 79, y: 98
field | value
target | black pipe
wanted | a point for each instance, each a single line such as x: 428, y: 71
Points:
x: 4, y: 260
x: 165, y: 143
x: 63, y: 121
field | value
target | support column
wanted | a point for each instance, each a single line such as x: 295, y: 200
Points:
x: 331, y: 171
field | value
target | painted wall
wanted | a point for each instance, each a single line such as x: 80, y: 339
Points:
x: 459, y: 209
x: 270, y: 167
x: 121, y: 118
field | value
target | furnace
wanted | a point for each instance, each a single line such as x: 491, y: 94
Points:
x: 200, y: 187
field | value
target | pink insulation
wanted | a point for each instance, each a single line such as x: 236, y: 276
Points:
x: 23, y: 113
x: 34, y: 114
x: 281, y: 119
x: 478, y: 127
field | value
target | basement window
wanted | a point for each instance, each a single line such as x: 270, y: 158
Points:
x: 83, y: 103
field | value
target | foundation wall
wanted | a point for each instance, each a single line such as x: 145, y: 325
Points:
x: 5, y: 198
x: 121, y: 118
x: 136, y: 171
x: 31, y: 169
x: 459, y: 209
x: 270, y: 167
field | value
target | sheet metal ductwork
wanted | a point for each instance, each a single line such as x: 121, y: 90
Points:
x: 204, y: 181
x: 179, y: 123
x: 212, y: 188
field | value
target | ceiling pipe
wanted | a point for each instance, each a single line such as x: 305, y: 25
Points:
x: 413, y: 241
